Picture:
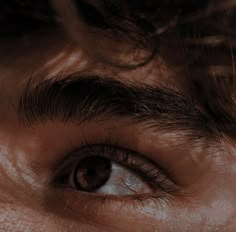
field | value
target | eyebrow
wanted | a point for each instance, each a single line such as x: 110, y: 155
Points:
x: 87, y: 98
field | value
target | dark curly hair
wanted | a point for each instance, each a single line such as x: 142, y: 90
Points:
x: 198, y: 35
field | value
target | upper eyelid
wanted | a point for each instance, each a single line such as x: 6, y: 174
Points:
x: 106, y: 142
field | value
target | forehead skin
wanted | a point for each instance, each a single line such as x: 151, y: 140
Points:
x: 27, y: 203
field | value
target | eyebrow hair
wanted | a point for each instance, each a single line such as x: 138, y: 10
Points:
x: 89, y: 98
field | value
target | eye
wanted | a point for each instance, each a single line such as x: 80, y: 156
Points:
x: 101, y: 175
x: 112, y: 170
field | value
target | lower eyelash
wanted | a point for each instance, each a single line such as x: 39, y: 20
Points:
x: 139, y: 164
x: 99, y: 201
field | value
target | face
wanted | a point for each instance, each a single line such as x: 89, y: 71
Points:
x: 85, y: 146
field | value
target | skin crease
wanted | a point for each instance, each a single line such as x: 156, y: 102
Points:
x: 28, y: 155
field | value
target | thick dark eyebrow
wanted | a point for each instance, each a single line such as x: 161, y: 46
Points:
x: 96, y: 98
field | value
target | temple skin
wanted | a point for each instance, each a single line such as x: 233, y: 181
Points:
x: 28, y: 201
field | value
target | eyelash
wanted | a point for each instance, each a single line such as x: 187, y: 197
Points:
x: 109, y: 148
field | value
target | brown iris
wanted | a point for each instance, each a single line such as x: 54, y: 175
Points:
x: 92, y: 173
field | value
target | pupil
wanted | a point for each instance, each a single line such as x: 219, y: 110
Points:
x: 92, y: 173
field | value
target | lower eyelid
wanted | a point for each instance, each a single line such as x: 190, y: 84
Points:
x: 82, y: 207
x: 75, y: 201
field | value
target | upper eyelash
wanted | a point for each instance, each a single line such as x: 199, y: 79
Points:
x: 155, y: 176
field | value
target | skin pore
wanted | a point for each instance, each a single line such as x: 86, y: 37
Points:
x: 196, y: 188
